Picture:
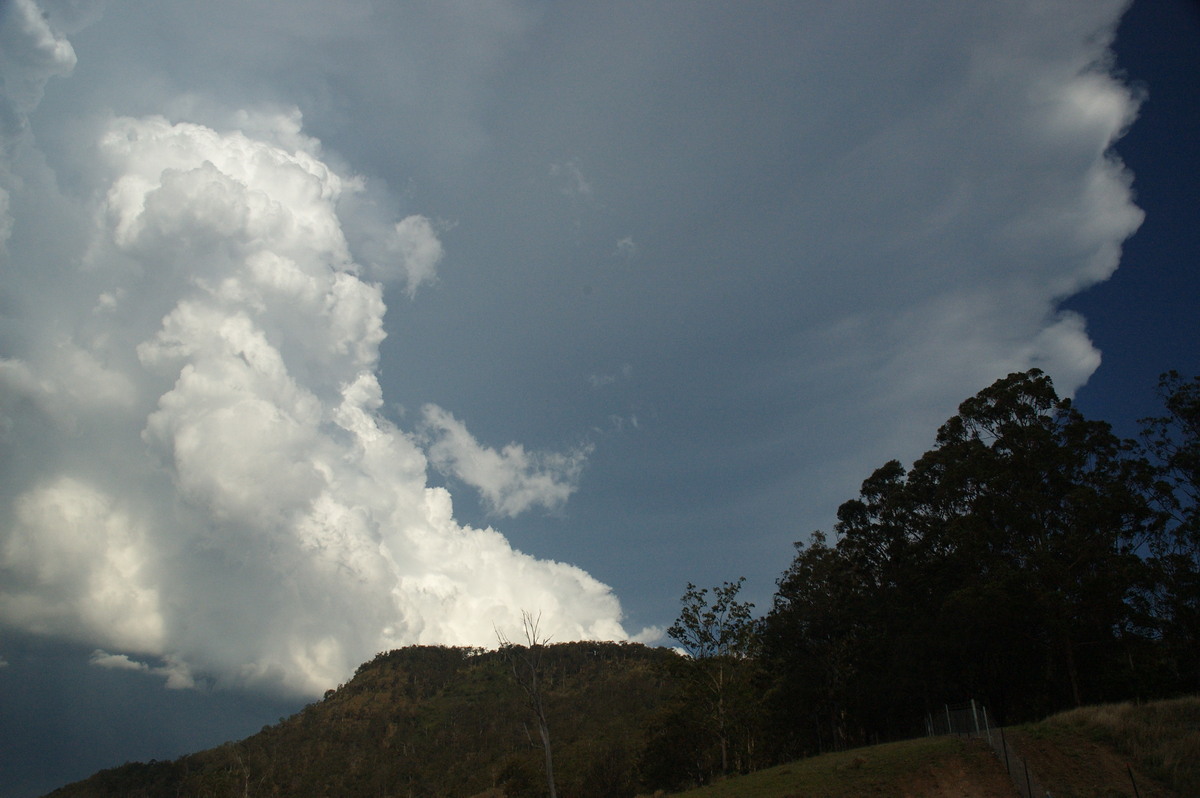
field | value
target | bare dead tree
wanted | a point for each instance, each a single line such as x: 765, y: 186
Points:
x: 526, y: 664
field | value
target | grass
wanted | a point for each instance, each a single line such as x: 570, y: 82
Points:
x: 923, y: 767
x: 1162, y: 738
x: 1082, y: 753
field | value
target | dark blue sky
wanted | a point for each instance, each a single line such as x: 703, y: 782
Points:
x: 1145, y: 317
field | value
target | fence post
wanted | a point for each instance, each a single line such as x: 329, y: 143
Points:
x: 1132, y: 780
x: 949, y: 725
x: 975, y: 717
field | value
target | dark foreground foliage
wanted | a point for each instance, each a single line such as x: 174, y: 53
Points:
x: 1031, y: 560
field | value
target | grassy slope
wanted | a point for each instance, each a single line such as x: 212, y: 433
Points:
x: 1090, y: 751
x: 937, y: 767
x: 1085, y: 753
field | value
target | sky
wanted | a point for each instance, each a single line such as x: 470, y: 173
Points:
x: 363, y: 325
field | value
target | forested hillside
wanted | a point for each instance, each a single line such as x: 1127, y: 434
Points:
x: 434, y: 721
x: 1031, y: 560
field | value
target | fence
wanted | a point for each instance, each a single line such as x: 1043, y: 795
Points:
x: 972, y: 719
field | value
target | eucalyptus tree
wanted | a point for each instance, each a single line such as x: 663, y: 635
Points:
x: 1004, y: 565
x: 719, y: 637
x: 1172, y: 443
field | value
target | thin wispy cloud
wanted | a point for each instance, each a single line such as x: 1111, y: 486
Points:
x: 570, y: 179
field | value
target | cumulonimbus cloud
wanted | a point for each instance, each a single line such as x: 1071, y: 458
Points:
x: 218, y: 495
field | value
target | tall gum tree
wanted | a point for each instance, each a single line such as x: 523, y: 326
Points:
x: 718, y: 637
x: 1004, y: 565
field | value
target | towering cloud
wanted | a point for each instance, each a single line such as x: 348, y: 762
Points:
x: 197, y: 471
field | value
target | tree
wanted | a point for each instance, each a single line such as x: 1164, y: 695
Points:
x: 526, y: 665
x: 719, y: 639
x: 812, y: 640
x: 1172, y: 443
x: 1004, y: 565
x: 1049, y: 506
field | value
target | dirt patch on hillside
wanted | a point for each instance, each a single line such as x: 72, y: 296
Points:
x: 976, y: 773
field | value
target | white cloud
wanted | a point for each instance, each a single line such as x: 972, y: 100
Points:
x: 30, y: 54
x: 511, y: 480
x: 177, y: 675
x: 120, y: 662
x: 80, y: 564
x: 216, y: 489
x: 418, y: 250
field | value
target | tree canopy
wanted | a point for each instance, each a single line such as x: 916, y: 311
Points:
x: 1031, y: 559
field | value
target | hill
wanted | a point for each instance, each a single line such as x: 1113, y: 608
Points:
x: 437, y: 721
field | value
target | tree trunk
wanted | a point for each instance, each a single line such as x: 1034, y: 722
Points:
x: 545, y: 732
x: 1072, y: 669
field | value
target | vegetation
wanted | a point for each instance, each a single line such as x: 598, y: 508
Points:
x: 527, y: 666
x: 1162, y: 738
x: 928, y: 767
x: 1091, y: 751
x: 1031, y: 560
x: 716, y: 683
x: 434, y: 721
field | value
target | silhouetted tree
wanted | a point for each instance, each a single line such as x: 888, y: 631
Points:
x: 1172, y: 443
x: 1004, y: 565
x: 719, y: 638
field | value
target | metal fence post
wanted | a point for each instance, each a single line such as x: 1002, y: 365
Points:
x: 1132, y: 780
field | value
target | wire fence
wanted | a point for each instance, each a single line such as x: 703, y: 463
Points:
x: 972, y: 719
